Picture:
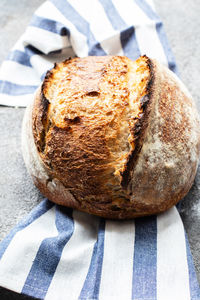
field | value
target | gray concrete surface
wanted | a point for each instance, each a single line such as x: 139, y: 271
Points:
x: 17, y: 193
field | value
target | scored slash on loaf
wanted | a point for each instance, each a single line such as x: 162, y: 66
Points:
x: 112, y: 137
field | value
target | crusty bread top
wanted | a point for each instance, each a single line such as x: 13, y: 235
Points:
x: 122, y: 138
x: 87, y: 129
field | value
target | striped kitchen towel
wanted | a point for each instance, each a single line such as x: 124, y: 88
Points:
x: 60, y: 253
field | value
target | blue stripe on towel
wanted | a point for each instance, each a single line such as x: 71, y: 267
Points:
x: 113, y: 15
x: 23, y: 57
x: 48, y: 255
x: 145, y: 259
x: 129, y: 43
x: 194, y: 285
x: 20, y: 57
x: 37, y: 212
x: 91, y: 285
x: 49, y: 25
x: 163, y: 39
x: 161, y: 33
x: 81, y: 24
x: 9, y: 88
x: 127, y: 34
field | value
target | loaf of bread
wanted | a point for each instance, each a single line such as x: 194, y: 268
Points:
x: 112, y: 137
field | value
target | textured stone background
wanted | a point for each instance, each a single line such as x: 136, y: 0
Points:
x: 17, y: 193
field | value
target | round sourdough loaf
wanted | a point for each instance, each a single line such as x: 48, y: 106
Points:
x: 112, y: 137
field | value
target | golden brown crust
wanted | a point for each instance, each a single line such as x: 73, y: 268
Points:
x: 85, y: 141
x: 113, y: 143
x: 139, y: 127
